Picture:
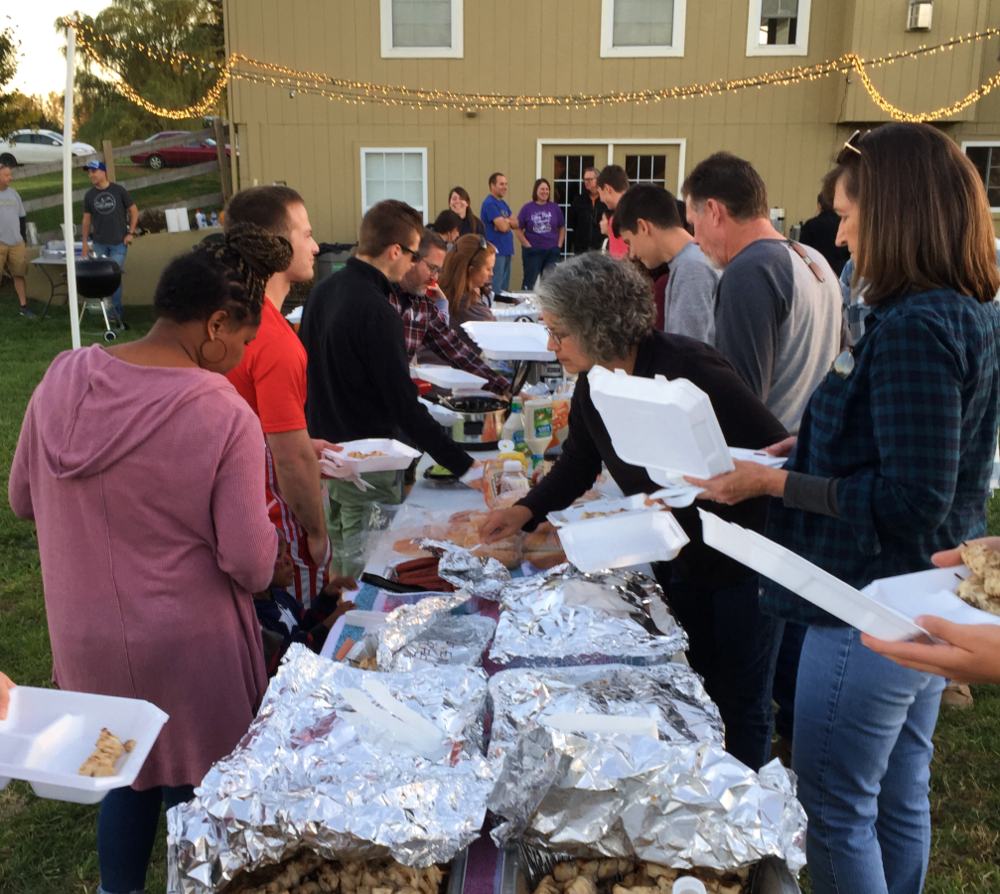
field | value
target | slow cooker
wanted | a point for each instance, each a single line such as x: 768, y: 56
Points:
x: 482, y: 416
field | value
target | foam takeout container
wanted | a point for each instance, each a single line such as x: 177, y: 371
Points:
x: 510, y: 341
x: 448, y: 377
x: 49, y: 733
x: 887, y: 608
x: 611, y: 507
x: 666, y: 426
x: 623, y: 540
x: 397, y: 455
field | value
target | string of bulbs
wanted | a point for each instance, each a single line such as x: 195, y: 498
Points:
x: 244, y: 68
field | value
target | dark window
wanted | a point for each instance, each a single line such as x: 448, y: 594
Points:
x: 987, y: 162
x: 646, y: 169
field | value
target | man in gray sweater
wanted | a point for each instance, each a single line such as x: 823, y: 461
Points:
x: 778, y: 316
x: 648, y: 220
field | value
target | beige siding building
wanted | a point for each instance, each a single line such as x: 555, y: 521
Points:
x: 344, y: 157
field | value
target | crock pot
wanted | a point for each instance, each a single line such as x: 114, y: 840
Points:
x: 482, y: 416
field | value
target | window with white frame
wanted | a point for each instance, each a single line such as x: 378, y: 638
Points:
x: 642, y: 27
x: 394, y: 174
x: 422, y: 29
x: 778, y: 27
x: 986, y: 157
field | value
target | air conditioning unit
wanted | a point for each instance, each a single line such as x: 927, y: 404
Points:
x: 921, y: 15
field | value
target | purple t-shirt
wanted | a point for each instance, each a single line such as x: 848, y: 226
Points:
x: 541, y: 224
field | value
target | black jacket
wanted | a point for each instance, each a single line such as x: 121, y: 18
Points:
x: 744, y: 420
x: 820, y: 232
x: 584, y: 222
x: 358, y: 376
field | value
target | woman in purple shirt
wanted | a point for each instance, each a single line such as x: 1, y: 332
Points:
x: 542, y: 233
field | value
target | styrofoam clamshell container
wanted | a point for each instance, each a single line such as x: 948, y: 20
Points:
x: 448, y: 377
x: 510, y: 341
x: 886, y: 608
x: 666, y: 426
x: 619, y: 541
x: 614, y: 505
x: 397, y: 455
x: 49, y: 733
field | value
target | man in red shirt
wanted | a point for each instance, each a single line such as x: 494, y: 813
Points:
x: 272, y: 379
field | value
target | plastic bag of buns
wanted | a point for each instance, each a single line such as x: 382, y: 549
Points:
x: 542, y: 547
x: 463, y: 529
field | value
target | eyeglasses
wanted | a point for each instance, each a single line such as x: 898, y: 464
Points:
x: 843, y: 365
x: 412, y: 252
x: 557, y: 339
x: 851, y: 149
x: 435, y: 271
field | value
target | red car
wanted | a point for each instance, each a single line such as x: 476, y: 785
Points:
x: 193, y: 153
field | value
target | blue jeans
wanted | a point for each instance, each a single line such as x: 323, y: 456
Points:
x: 501, y: 273
x: 733, y: 646
x: 862, y: 753
x: 116, y: 253
x: 126, y: 832
x: 535, y: 260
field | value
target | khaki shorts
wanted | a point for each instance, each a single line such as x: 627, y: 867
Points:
x: 15, y: 257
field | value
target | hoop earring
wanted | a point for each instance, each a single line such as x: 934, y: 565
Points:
x: 214, y: 360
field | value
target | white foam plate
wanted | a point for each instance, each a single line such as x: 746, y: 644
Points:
x: 49, y: 733
x: 618, y: 541
x: 448, y: 377
x: 397, y: 455
x: 295, y: 316
x: 886, y: 608
x: 510, y: 341
x: 618, y: 506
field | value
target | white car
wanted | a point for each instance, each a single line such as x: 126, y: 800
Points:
x: 34, y: 146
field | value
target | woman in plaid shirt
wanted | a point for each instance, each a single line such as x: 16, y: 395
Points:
x: 891, y: 465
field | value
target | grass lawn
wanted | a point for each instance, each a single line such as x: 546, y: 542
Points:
x: 161, y: 194
x: 48, y: 847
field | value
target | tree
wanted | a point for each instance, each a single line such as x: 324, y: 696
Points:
x: 10, y: 106
x: 193, y: 27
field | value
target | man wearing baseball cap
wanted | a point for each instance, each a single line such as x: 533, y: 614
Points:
x: 110, y: 216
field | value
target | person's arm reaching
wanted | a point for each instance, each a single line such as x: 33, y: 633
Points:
x: 297, y: 469
x: 446, y: 343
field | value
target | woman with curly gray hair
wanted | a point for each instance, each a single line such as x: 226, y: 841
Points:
x: 600, y: 312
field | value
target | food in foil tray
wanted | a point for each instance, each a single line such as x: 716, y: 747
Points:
x: 982, y: 590
x: 682, y: 805
x: 309, y: 873
x: 350, y: 765
x: 567, y: 617
x: 620, y: 876
x: 670, y: 695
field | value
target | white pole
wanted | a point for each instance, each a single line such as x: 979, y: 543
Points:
x: 74, y: 316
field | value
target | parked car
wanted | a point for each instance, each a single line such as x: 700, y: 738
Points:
x: 192, y: 153
x: 34, y: 146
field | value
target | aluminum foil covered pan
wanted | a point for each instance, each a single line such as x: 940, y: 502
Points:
x: 349, y: 764
x: 670, y: 696
x: 639, y: 797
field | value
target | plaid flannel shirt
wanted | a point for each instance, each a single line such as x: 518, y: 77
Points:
x: 425, y: 325
x: 910, y: 435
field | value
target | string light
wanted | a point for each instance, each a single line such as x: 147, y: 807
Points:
x: 243, y: 68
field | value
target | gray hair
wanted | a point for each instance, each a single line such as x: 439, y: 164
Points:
x: 606, y: 305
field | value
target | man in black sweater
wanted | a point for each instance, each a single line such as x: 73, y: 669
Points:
x: 358, y: 377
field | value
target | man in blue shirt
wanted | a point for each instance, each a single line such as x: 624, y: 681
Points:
x: 499, y: 222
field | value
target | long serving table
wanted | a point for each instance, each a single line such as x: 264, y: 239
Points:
x: 58, y: 284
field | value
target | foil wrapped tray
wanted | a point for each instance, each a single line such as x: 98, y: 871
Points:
x: 671, y: 695
x: 567, y: 617
x: 679, y: 805
x: 322, y: 768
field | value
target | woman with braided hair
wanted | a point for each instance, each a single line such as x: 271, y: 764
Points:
x: 143, y: 471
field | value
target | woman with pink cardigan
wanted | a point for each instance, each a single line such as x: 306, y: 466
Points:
x: 143, y: 471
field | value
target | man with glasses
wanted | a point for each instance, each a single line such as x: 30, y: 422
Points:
x: 584, y: 217
x: 358, y: 373
x: 426, y: 326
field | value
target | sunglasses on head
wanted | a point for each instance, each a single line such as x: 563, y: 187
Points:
x: 851, y: 149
